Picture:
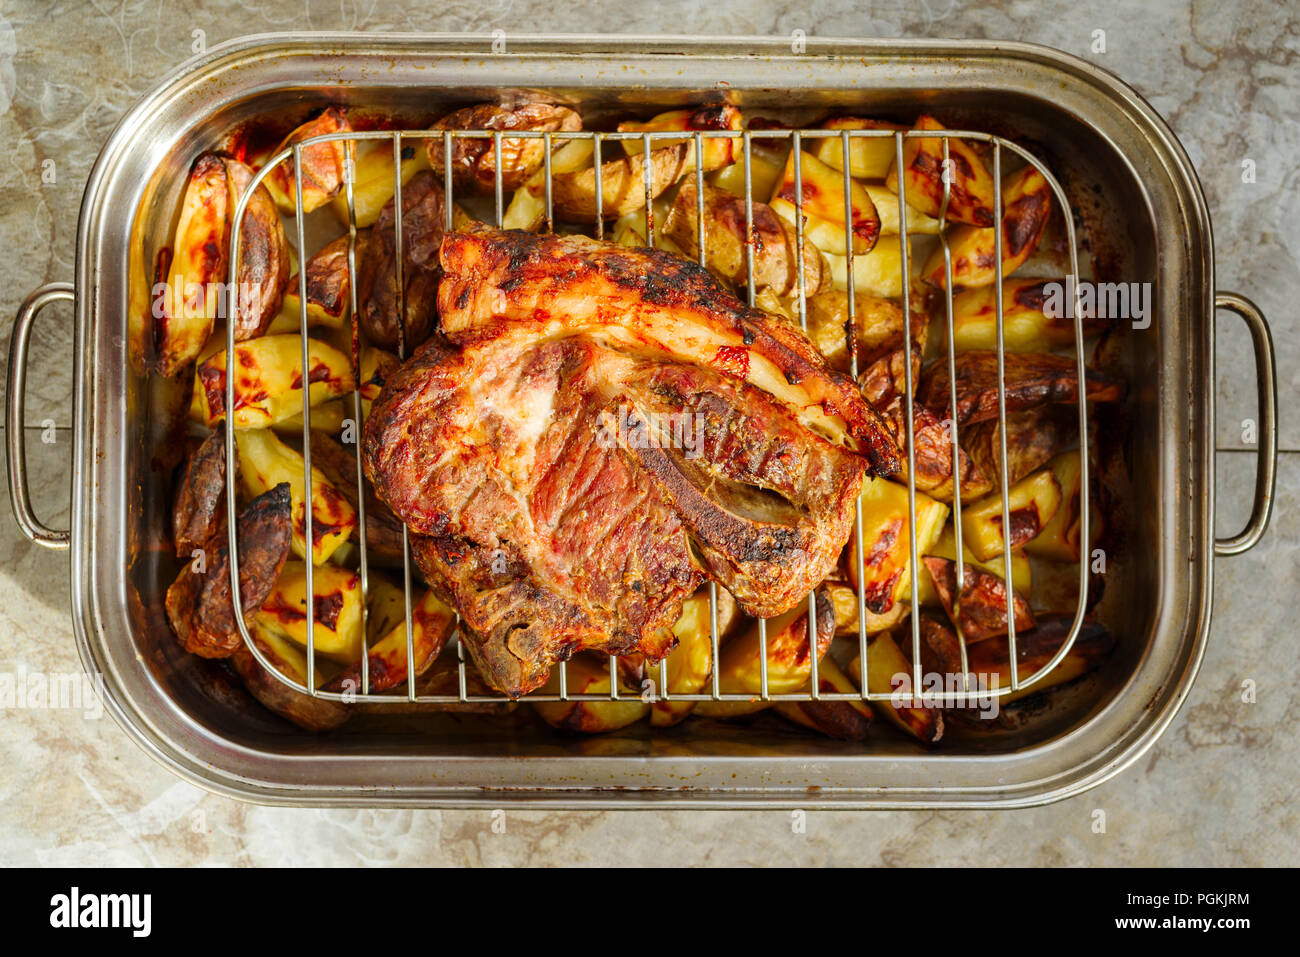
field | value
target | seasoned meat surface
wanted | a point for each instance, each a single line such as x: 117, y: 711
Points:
x: 571, y: 471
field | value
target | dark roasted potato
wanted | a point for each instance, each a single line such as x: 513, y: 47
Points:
x: 1034, y: 648
x: 970, y: 190
x: 199, y: 604
x: 826, y: 220
x: 932, y: 440
x: 622, y: 184
x: 199, y: 511
x: 322, y: 164
x: 946, y: 547
x: 845, y: 720
x: 776, y: 260
x: 1033, y: 437
x: 311, y: 714
x: 473, y: 160
x: 1026, y: 207
x: 886, y: 379
x: 423, y: 224
x: 185, y: 311
x: 981, y: 611
x: 263, y: 255
x: 327, y: 290
x: 1032, y: 379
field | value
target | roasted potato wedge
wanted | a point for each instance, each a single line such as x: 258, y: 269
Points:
x: 264, y: 255
x: 589, y: 674
x: 826, y: 221
x: 689, y: 665
x: 322, y: 164
x: 946, y: 547
x: 1059, y: 539
x: 970, y: 192
x: 268, y: 384
x: 327, y: 291
x: 879, y: 272
x: 473, y: 160
x: 423, y: 224
x: 1033, y: 437
x: 918, y: 224
x: 527, y: 209
x: 885, y: 380
x: 265, y: 462
x: 336, y: 626
x: 870, y: 157
x: 1034, y: 649
x: 879, y: 323
x: 776, y: 258
x: 199, y: 511
x: 1027, y: 205
x: 311, y: 714
x: 186, y: 307
x: 432, y: 622
x: 199, y: 604
x: 622, y: 187
x: 383, y: 528
x: 845, y: 720
x: 1032, y: 379
x: 886, y: 548
x: 1031, y: 503
x: 886, y: 665
x: 936, y: 472
x: 1026, y: 326
x: 981, y: 610
x: 373, y: 180
x: 788, y: 660
x: 717, y: 151
x: 844, y: 603
x: 764, y: 174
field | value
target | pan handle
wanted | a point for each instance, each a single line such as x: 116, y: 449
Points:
x: 1266, y: 471
x: 15, y: 402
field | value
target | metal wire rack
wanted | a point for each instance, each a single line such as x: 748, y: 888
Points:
x: 962, y: 696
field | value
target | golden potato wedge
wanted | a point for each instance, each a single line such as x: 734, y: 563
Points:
x: 776, y: 259
x: 1031, y: 503
x: 826, y: 221
x: 373, y: 180
x: 268, y: 381
x: 946, y: 547
x: 689, y: 665
x: 1031, y: 380
x: 383, y: 528
x: 918, y: 224
x: 764, y: 173
x: 718, y: 151
x: 887, y: 665
x: 589, y: 674
x: 1026, y: 327
x: 622, y: 187
x: 1026, y: 205
x: 879, y: 272
x: 322, y: 164
x: 187, y: 305
x: 788, y: 659
x: 264, y: 255
x: 844, y: 720
x: 1033, y: 437
x: 311, y: 714
x: 844, y: 603
x: 1059, y: 539
x: 432, y: 622
x: 199, y: 605
x: 870, y: 157
x: 473, y: 160
x: 879, y: 323
x: 327, y: 291
x: 328, y: 417
x: 1034, y: 649
x: 981, y: 610
x: 527, y: 209
x: 970, y: 191
x: 336, y: 627
x: 423, y: 224
x: 265, y: 462
x: 886, y: 548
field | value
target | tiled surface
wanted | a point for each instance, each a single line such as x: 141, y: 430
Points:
x: 1214, y: 790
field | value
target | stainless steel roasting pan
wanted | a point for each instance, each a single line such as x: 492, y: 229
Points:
x: 1135, y: 192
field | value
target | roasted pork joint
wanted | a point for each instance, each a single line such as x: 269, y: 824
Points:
x: 582, y: 461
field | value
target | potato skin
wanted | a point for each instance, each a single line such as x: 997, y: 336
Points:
x: 322, y: 164
x: 199, y: 606
x: 982, y: 610
x: 423, y: 222
x: 199, y: 511
x: 776, y: 263
x: 263, y: 256
x: 308, y: 713
x: 622, y: 184
x: 1032, y: 380
x: 474, y: 161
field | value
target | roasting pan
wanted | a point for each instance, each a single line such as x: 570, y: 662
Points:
x: 1104, y: 142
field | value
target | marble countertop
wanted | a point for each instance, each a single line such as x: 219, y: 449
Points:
x: 1217, y: 787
